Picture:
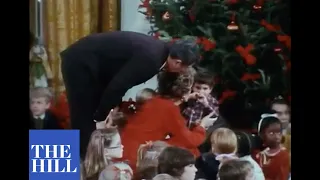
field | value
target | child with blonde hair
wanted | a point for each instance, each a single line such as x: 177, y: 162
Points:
x: 147, y: 161
x: 40, y: 102
x: 117, y: 171
x: 224, y: 144
x: 104, y: 146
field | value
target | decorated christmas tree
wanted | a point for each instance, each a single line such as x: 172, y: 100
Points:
x: 245, y: 44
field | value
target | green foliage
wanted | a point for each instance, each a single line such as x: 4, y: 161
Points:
x: 211, y: 20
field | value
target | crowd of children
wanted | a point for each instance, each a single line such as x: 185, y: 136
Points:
x: 233, y: 155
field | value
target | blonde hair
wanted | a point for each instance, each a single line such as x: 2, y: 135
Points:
x: 116, y: 171
x: 82, y: 171
x: 144, y: 95
x: 224, y: 141
x: 147, y: 160
x: 40, y: 92
x: 94, y: 161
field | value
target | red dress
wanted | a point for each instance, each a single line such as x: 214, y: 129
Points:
x: 274, y: 166
x: 156, y: 119
x: 61, y: 110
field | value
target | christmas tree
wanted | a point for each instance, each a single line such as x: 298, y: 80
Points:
x: 245, y: 43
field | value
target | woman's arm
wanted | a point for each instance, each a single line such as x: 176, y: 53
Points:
x: 180, y: 133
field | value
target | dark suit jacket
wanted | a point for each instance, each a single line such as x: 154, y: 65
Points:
x: 207, y: 166
x: 117, y: 61
x: 49, y: 122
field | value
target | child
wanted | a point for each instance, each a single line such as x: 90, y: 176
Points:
x: 117, y: 171
x: 144, y: 95
x: 245, y: 147
x: 40, y: 99
x: 236, y: 170
x: 274, y: 159
x: 282, y: 108
x: 176, y: 163
x: 104, y: 146
x: 147, y: 161
x: 200, y: 103
x: 224, y: 144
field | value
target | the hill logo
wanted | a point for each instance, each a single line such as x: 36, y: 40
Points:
x: 54, y: 154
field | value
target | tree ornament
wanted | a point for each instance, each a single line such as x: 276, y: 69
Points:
x: 258, y: 5
x: 277, y: 49
x: 233, y: 26
x: 166, y: 16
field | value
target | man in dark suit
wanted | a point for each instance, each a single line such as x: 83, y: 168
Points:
x: 100, y: 68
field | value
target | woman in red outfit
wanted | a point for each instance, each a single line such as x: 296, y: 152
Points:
x: 159, y: 118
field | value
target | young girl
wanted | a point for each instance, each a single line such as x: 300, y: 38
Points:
x: 104, y: 146
x: 177, y: 164
x: 245, y: 147
x: 224, y: 144
x: 282, y: 108
x: 147, y: 160
x: 236, y: 170
x: 117, y: 171
x: 274, y: 159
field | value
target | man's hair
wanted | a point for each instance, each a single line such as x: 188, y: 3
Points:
x: 204, y: 78
x: 235, y: 170
x: 185, y: 50
x: 41, y: 92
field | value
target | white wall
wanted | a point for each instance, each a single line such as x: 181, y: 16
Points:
x: 132, y: 20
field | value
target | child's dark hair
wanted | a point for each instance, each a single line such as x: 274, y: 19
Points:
x: 266, y: 120
x: 246, y: 143
x: 204, y: 77
x: 278, y: 100
x: 172, y: 161
x: 235, y: 170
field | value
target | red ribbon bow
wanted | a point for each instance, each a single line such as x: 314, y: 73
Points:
x: 269, y: 26
x: 146, y: 4
x: 227, y: 94
x: 285, y: 39
x: 245, y: 53
x: 248, y: 77
x: 207, y: 44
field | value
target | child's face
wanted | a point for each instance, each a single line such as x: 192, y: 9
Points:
x: 189, y: 172
x: 115, y: 150
x: 283, y: 112
x: 272, y: 135
x: 201, y: 88
x: 38, y: 106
